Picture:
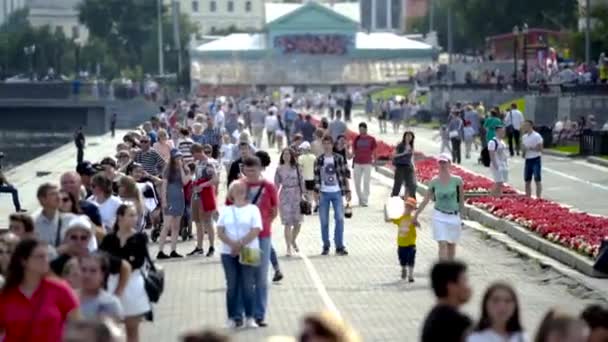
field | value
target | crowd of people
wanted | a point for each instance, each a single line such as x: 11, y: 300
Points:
x: 82, y: 260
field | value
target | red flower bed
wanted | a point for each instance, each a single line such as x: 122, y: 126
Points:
x: 575, y: 230
x: 428, y: 168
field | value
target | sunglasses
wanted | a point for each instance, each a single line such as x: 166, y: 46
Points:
x: 79, y: 237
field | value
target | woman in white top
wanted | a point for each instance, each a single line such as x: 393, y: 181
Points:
x: 499, y: 320
x: 238, y: 227
x: 107, y: 203
x: 271, y: 125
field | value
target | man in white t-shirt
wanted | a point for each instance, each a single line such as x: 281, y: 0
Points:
x: 513, y: 122
x: 532, y: 143
x: 499, y: 163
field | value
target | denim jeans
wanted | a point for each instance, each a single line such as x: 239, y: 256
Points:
x: 274, y: 260
x: 261, y: 280
x: 240, y: 287
x: 335, y: 199
x: 9, y: 189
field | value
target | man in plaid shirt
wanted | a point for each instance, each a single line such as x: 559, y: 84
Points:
x: 331, y: 183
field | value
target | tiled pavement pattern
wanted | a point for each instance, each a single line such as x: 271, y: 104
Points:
x: 363, y: 286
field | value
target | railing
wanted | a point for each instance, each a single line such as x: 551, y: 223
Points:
x: 565, y: 89
x: 67, y: 90
x: 593, y: 143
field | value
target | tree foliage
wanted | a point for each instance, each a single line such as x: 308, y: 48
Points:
x: 598, y: 35
x: 474, y: 20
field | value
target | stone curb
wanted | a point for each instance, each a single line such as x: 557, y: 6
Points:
x: 554, y: 153
x: 522, y: 235
x: 598, y: 161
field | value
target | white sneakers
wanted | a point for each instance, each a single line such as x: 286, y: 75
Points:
x: 249, y: 323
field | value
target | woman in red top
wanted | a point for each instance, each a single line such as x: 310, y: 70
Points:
x: 33, y: 305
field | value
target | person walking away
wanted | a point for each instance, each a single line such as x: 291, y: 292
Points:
x: 395, y: 114
x: 204, y: 203
x: 499, y: 160
x: 473, y: 118
x: 364, y: 151
x: 331, y: 184
x: 337, y: 127
x: 34, y: 305
x: 348, y: 106
x: 173, y: 202
x: 491, y: 123
x: 332, y: 104
x: 369, y: 107
x: 238, y: 227
x: 80, y: 142
x: 227, y: 152
x: 306, y: 160
x: 513, y: 122
x: 468, y: 134
x: 532, y: 147
x: 113, y: 125
x: 132, y: 246
x: 308, y: 129
x: 258, y: 121
x: 445, y: 322
x: 8, y: 188
x: 448, y: 193
x: 403, y: 162
x: 444, y: 136
x: 406, y: 240
x: 263, y: 194
x: 499, y: 316
x: 455, y: 127
x: 290, y: 183
x: 289, y: 119
x: 271, y: 124
x: 383, y: 109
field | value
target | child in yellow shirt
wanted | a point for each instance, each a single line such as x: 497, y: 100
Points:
x: 406, y: 240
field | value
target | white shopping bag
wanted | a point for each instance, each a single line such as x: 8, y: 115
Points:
x: 394, y: 208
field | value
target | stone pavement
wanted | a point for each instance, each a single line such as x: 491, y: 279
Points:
x: 363, y: 287
x: 571, y: 182
x: 49, y: 167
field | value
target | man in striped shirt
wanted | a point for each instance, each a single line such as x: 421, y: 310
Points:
x: 184, y: 144
x: 212, y: 136
x: 150, y: 160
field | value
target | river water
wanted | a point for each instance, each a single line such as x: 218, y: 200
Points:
x: 22, y: 146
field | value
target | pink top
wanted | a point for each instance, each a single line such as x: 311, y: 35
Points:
x: 164, y: 149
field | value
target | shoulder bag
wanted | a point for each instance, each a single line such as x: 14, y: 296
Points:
x: 248, y: 256
x: 154, y: 280
x: 305, y: 206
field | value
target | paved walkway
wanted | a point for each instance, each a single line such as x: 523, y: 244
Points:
x: 363, y: 287
x: 567, y: 181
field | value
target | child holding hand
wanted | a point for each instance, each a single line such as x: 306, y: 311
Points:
x: 406, y: 239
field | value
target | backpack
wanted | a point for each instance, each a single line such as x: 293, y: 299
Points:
x: 485, y: 155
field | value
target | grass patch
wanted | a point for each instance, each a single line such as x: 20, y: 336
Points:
x: 390, y: 92
x: 572, y: 149
x: 604, y: 157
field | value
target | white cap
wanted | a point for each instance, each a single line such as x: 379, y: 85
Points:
x: 444, y: 157
x: 79, y: 222
x: 305, y: 145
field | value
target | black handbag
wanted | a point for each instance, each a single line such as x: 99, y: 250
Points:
x: 601, y: 263
x: 154, y: 281
x: 305, y: 206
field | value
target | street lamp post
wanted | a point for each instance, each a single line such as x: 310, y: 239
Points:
x: 29, y: 52
x: 515, y: 41
x: 525, y: 53
x: 77, y: 43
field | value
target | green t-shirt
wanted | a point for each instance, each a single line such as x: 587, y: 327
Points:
x: 490, y: 124
x: 446, y: 195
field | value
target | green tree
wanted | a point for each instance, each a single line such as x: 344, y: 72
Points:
x: 598, y: 35
x: 474, y: 20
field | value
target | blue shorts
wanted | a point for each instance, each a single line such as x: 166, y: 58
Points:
x: 407, y: 255
x: 532, y: 168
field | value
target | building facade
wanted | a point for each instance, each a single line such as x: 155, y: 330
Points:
x: 307, y: 45
x: 59, y: 15
x: 219, y: 15
x: 8, y: 7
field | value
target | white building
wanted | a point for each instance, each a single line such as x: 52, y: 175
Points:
x: 59, y: 15
x: 7, y: 7
x: 211, y: 15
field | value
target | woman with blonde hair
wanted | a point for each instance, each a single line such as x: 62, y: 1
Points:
x: 326, y: 326
x: 164, y: 145
x: 129, y: 192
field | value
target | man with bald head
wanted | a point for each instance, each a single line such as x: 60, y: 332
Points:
x: 72, y: 183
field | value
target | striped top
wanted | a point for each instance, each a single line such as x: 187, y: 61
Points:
x: 212, y: 136
x: 151, y: 161
x: 184, y: 145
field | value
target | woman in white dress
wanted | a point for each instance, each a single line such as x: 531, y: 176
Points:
x: 499, y: 320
